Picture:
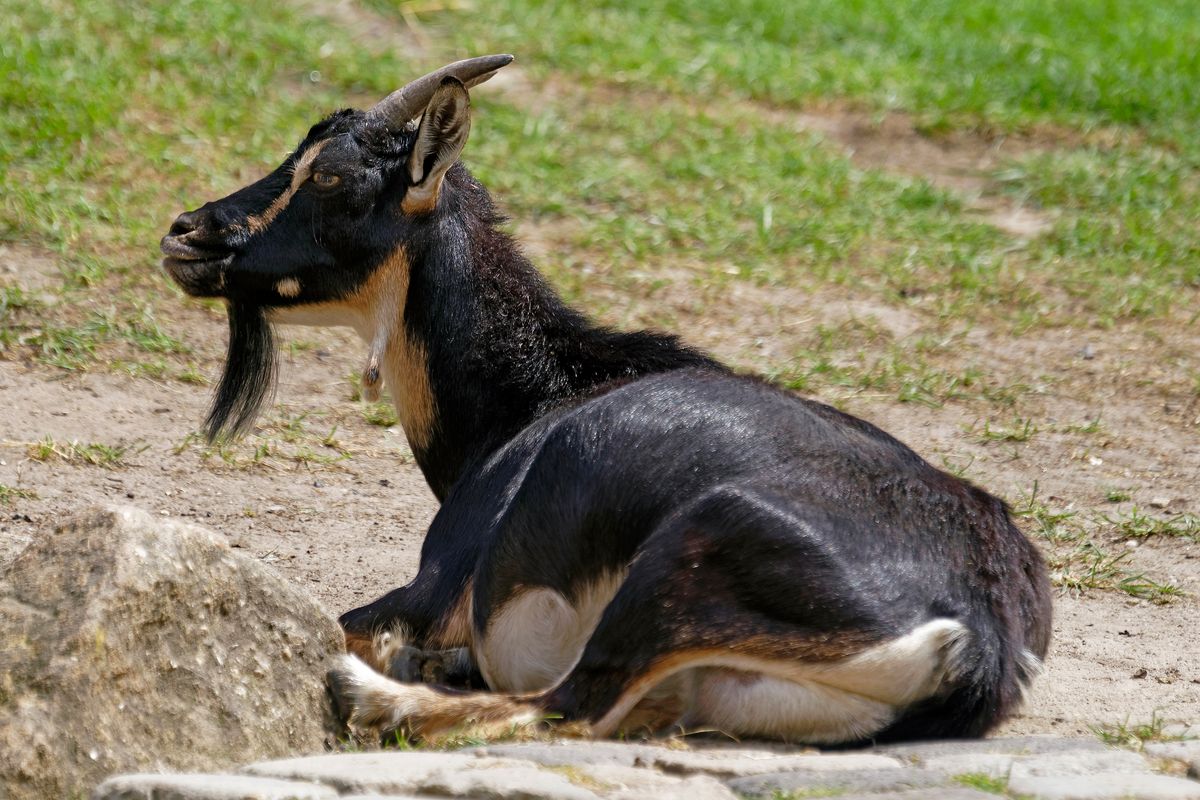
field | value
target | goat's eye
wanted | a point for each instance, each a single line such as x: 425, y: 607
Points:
x: 325, y: 180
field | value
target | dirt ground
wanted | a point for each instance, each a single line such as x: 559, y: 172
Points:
x: 350, y: 529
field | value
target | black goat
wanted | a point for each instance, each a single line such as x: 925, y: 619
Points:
x: 630, y: 535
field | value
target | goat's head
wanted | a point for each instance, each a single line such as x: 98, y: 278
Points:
x: 309, y: 241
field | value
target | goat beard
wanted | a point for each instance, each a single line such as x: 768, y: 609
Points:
x: 248, y: 381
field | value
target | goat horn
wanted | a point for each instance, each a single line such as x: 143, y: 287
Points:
x: 404, y: 105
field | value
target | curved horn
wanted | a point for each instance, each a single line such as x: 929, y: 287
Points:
x: 403, y: 105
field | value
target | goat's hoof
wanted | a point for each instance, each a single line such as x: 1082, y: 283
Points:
x: 339, y: 684
x: 411, y: 665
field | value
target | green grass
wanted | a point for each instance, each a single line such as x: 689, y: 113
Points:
x: 1138, y: 524
x: 10, y: 494
x: 382, y: 414
x: 1123, y: 244
x: 655, y: 148
x: 280, y: 442
x: 181, y: 106
x: 1020, y: 430
x: 858, y: 357
x: 94, y: 453
x: 1080, y: 63
x: 983, y: 782
x: 1090, y: 566
x: 805, y: 794
x: 1135, y: 735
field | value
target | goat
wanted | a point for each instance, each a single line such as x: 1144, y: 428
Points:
x: 631, y: 536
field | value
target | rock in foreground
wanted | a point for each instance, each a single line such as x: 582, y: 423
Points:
x: 131, y: 642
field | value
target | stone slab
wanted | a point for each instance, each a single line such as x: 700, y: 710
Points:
x: 1104, y: 786
x: 208, y: 787
x: 721, y: 762
x: 898, y: 779
x: 725, y: 764
x: 572, y: 753
x: 941, y: 793
x: 994, y: 765
x: 440, y: 774
x: 615, y: 782
x: 1111, y: 760
x: 1011, y: 745
x: 1188, y: 752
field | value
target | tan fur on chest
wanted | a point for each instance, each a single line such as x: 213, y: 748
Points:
x: 400, y: 358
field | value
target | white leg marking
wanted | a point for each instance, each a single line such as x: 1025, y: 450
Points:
x: 747, y: 704
x: 538, y: 636
x: 819, y: 701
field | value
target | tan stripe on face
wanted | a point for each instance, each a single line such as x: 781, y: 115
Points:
x: 259, y: 222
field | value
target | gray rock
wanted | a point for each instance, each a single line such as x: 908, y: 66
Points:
x: 1076, y: 763
x: 493, y: 780
x: 722, y: 762
x: 1102, y: 786
x: 441, y: 774
x: 1014, y: 745
x: 937, y: 793
x: 572, y: 753
x: 994, y: 765
x: 840, y: 782
x: 727, y: 764
x: 132, y: 643
x: 635, y: 783
x: 1188, y: 752
x: 208, y: 787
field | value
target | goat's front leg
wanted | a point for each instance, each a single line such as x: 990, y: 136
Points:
x: 417, y: 633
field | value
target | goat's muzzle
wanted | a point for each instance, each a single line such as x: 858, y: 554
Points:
x: 193, y: 259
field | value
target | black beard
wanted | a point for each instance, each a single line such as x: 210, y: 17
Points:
x: 249, y: 377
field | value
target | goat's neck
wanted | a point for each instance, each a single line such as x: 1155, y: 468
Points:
x: 477, y: 354
x: 485, y: 346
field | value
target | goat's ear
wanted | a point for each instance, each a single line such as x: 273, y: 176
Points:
x: 440, y: 139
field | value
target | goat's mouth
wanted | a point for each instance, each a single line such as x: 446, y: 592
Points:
x: 198, y: 271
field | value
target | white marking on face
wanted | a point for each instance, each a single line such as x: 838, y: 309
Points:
x: 288, y: 287
x: 300, y: 172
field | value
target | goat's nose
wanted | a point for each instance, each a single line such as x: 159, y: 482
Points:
x: 185, y: 223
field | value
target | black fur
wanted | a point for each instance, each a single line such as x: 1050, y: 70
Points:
x: 248, y: 380
x: 503, y: 348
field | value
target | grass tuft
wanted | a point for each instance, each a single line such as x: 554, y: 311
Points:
x: 74, y: 452
x: 10, y: 494
x: 983, y: 782
x: 1138, y: 524
x: 1135, y: 736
